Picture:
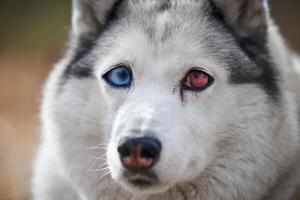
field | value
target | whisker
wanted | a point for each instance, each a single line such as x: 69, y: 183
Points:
x: 98, y: 159
x: 102, y: 165
x: 100, y: 170
x: 103, y: 144
x: 103, y: 156
x: 104, y: 159
x: 104, y: 176
x: 99, y: 146
x: 92, y: 165
x: 93, y: 148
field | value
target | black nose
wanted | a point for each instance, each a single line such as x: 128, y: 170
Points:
x: 139, y: 153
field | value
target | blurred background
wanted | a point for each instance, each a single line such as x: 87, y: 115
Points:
x: 33, y: 35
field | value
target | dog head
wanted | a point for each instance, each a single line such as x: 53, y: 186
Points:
x: 171, y: 85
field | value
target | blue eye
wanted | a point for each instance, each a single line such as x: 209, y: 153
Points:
x: 119, y: 77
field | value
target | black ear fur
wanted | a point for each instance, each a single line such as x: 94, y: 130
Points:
x: 247, y: 18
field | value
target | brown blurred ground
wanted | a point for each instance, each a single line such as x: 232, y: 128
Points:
x: 32, y: 35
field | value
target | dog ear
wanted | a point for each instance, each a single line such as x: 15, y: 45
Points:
x: 247, y: 18
x: 89, y: 16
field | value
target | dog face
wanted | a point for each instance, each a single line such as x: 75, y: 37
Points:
x: 173, y: 86
x: 171, y: 92
x: 163, y: 102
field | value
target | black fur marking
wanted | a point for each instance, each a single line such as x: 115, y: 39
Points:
x: 165, y: 6
x: 113, y: 15
x: 82, y: 71
x: 260, y: 56
x: 73, y: 69
x: 86, y: 45
x: 255, y: 48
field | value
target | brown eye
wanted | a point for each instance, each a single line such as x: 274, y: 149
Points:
x: 197, y: 80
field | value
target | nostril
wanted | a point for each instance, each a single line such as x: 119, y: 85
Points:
x: 148, y: 153
x: 151, y: 149
x: 124, y: 150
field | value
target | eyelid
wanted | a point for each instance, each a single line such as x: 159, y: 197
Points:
x: 194, y: 69
x: 115, y: 66
x: 198, y: 69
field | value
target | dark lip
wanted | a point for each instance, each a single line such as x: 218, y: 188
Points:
x: 141, y: 179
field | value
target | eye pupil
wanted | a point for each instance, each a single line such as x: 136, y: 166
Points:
x: 122, y: 75
x: 118, y: 77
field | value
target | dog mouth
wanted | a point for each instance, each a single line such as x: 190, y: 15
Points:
x: 141, y: 180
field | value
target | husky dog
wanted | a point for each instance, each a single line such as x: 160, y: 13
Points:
x: 171, y: 100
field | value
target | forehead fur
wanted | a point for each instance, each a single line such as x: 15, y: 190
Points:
x: 186, y: 24
x: 164, y: 17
